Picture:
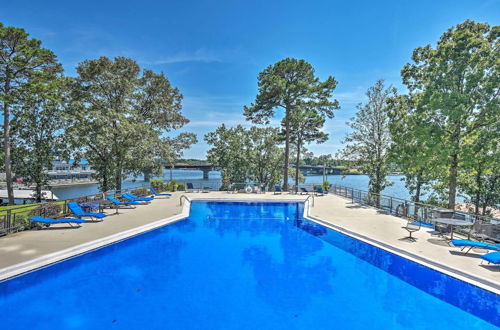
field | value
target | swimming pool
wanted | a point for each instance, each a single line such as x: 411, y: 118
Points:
x: 236, y: 265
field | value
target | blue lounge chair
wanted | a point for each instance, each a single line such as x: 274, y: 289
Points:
x: 156, y: 193
x: 190, y: 187
x: 305, y: 191
x: 132, y: 199
x: 492, y: 257
x: 277, y: 190
x: 474, y: 244
x: 137, y: 198
x: 120, y: 203
x: 79, y: 212
x: 49, y: 221
x: 319, y: 190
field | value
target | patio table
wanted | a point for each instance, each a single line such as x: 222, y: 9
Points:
x: 104, y: 203
x: 453, y: 222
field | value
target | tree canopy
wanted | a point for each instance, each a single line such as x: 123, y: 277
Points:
x: 369, y: 142
x: 291, y: 84
x: 458, y: 85
x: 246, y: 154
x: 22, y: 62
x: 127, y: 113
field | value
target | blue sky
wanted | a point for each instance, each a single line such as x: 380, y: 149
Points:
x: 213, y: 50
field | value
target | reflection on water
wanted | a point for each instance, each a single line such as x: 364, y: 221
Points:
x: 485, y: 304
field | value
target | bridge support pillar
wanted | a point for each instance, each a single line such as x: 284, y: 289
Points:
x: 205, y: 173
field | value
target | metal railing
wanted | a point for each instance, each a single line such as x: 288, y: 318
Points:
x: 412, y: 210
x: 16, y: 218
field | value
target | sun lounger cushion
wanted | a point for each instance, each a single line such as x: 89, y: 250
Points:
x: 51, y: 221
x: 154, y: 191
x: 117, y: 202
x: 492, y: 257
x: 79, y: 212
x: 465, y: 242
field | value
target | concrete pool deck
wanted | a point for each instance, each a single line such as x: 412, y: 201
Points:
x: 362, y: 222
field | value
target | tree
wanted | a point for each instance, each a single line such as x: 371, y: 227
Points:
x: 458, y: 83
x: 290, y: 84
x: 151, y: 158
x: 306, y: 127
x: 266, y: 156
x: 230, y: 151
x: 21, y: 59
x: 125, y: 111
x: 411, y: 151
x: 38, y: 132
x: 370, y: 140
x: 246, y: 154
x: 480, y: 177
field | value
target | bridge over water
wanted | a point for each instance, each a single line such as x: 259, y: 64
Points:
x: 306, y: 169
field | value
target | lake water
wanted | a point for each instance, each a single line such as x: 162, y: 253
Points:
x: 196, y: 177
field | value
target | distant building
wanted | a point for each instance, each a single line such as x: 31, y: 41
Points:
x: 69, y: 171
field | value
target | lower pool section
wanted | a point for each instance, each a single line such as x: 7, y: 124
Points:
x: 242, y: 266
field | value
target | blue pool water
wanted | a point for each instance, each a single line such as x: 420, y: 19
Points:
x: 242, y: 266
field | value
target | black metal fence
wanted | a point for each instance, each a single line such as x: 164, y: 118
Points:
x: 416, y: 211
x: 16, y: 218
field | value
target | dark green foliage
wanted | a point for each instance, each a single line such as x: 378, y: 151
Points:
x: 290, y: 84
x: 159, y: 185
x: 369, y: 142
x: 457, y: 84
x: 23, y: 64
x: 141, y: 192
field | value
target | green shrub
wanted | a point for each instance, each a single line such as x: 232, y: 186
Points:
x: 159, y: 185
x: 21, y: 221
x: 326, y: 186
x: 141, y: 192
x: 181, y: 187
x: 172, y: 185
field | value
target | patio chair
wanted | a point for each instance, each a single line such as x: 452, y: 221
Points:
x: 305, y: 191
x: 137, y: 198
x: 277, y: 190
x: 411, y: 227
x: 319, y: 190
x: 190, y: 187
x: 156, y: 193
x: 130, y: 199
x: 492, y: 257
x: 478, y: 231
x: 50, y: 221
x: 464, y: 243
x: 79, y: 212
x: 120, y: 203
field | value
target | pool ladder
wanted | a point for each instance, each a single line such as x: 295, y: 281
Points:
x: 309, y: 196
x: 185, y: 197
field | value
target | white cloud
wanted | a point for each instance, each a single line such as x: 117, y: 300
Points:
x: 199, y: 55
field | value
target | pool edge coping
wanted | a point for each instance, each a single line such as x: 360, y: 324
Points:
x: 15, y: 270
x: 479, y: 281
x: 46, y: 260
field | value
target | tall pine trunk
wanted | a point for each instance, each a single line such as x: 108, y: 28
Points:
x: 452, y: 186
x: 6, y: 143
x: 118, y: 179
x: 297, y: 164
x: 416, y: 197
x: 479, y: 184
x: 38, y: 192
x: 287, y: 148
x: 105, y: 182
